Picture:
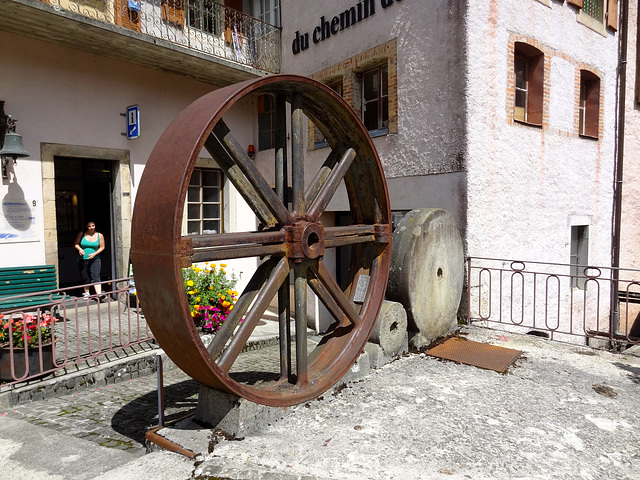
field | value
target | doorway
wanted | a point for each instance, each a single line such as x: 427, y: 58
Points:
x: 83, y: 193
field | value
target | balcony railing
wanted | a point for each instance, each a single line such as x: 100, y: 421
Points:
x: 202, y: 25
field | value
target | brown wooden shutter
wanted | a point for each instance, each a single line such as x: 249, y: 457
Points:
x: 612, y: 14
x: 173, y: 11
x: 536, y: 89
x: 125, y: 17
x: 577, y: 3
x: 592, y: 113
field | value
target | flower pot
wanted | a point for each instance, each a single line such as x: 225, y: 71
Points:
x: 25, y: 363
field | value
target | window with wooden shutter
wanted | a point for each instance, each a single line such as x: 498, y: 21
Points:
x: 528, y: 66
x: 589, y: 108
x: 173, y: 12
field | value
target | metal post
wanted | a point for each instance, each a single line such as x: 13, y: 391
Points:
x: 160, y: 374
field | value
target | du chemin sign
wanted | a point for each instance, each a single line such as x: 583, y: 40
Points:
x: 326, y: 28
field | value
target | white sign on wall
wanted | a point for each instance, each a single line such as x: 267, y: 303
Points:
x: 18, y: 221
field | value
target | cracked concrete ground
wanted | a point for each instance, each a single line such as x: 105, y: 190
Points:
x: 560, y: 412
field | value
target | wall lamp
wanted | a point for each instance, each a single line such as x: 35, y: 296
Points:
x: 251, y: 151
x: 10, y: 142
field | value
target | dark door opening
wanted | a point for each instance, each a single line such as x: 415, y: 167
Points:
x: 83, y: 194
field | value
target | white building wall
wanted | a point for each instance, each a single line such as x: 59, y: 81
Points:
x: 430, y: 72
x: 65, y: 96
x: 630, y: 225
x: 526, y: 183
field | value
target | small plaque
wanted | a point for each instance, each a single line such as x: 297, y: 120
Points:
x: 361, y: 288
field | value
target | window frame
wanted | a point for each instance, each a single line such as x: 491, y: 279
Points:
x: 382, y: 100
x: 199, y: 18
x: 201, y: 202
x: 579, y: 255
x: 534, y: 60
x: 266, y: 112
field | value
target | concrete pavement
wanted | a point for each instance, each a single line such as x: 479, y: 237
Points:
x: 561, y: 412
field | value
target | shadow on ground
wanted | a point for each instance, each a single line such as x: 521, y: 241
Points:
x: 141, y: 414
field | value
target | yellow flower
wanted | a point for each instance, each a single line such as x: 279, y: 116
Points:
x: 206, y: 263
x: 213, y: 265
x: 196, y: 308
x: 223, y: 265
x: 230, y: 307
x: 210, y: 287
x: 222, y: 271
x: 225, y: 304
x: 195, y: 290
x: 235, y: 293
x: 189, y: 283
x: 198, y: 299
x: 193, y: 314
x: 229, y: 291
x: 222, y: 297
x: 198, y: 269
x: 190, y: 292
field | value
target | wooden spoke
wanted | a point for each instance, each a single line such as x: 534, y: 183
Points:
x: 323, y: 173
x: 300, y: 293
x: 271, y: 286
x: 349, y: 235
x: 241, y: 307
x: 239, y: 180
x: 262, y: 188
x: 333, y: 289
x: 297, y: 155
x: 236, y: 245
x: 329, y: 187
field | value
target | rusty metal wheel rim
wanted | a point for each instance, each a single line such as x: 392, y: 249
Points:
x: 289, y: 240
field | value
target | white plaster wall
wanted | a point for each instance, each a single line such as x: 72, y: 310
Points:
x: 524, y: 183
x: 630, y: 225
x: 430, y: 68
x: 65, y: 96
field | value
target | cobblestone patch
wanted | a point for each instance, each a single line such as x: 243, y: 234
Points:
x: 113, y: 416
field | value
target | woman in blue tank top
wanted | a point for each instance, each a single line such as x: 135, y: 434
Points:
x: 89, y: 244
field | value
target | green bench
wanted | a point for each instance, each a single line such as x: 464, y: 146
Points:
x: 27, y: 281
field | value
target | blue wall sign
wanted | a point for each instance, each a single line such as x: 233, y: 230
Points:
x: 133, y: 122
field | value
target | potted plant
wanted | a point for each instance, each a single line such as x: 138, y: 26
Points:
x: 210, y: 294
x: 23, y: 338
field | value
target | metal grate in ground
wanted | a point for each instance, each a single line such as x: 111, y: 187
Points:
x: 482, y: 355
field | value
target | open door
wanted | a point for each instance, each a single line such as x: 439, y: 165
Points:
x: 83, y: 194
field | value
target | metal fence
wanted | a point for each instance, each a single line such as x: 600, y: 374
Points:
x: 66, y: 331
x: 576, y: 304
x: 202, y: 25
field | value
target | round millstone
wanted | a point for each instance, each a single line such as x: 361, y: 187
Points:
x: 427, y: 272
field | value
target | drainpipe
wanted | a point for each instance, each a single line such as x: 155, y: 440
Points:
x: 618, y: 168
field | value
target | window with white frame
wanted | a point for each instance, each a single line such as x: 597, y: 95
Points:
x: 204, y: 202
x: 375, y: 98
x: 268, y: 11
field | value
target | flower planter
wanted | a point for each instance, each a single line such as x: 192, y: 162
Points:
x: 22, y: 363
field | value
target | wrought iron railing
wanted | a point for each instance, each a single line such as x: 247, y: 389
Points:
x: 560, y: 301
x: 70, y: 331
x: 201, y: 25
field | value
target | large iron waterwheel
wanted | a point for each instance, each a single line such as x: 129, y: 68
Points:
x: 289, y: 238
